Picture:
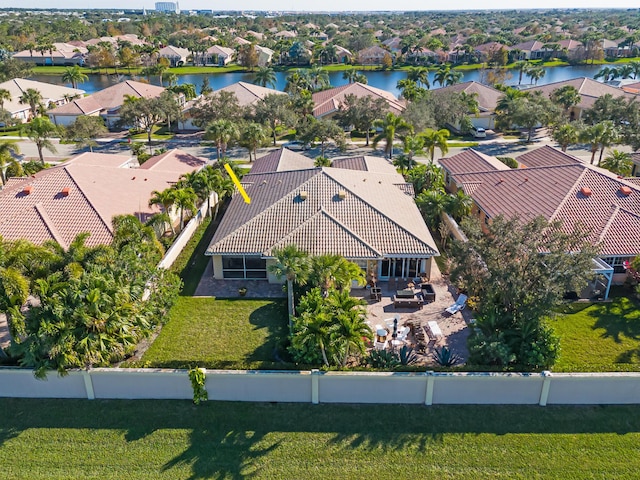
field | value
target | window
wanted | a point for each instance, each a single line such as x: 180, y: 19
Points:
x: 246, y: 267
x: 617, y: 263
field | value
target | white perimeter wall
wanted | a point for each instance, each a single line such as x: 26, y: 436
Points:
x: 421, y: 388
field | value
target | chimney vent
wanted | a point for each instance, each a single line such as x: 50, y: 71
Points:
x: 65, y: 191
x: 586, y: 191
x: 303, y: 195
x: 342, y: 194
x: 27, y: 190
x: 626, y: 191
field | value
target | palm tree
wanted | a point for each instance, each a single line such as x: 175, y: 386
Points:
x: 33, y: 98
x: 453, y: 77
x: 420, y: 75
x: 435, y: 139
x: 297, y: 81
x: 522, y: 66
x: 432, y: 203
x: 253, y: 135
x: 6, y: 159
x: 222, y: 132
x: 349, y: 316
x: 350, y: 74
x: 206, y: 182
x: 224, y: 188
x: 265, y: 76
x: 635, y: 66
x: 567, y: 96
x: 565, y: 135
x: 618, y: 162
x: 392, y: 126
x: 408, y: 89
x: 5, y: 96
x: 609, y: 137
x: 459, y: 205
x: 413, y: 145
x: 536, y: 74
x: 185, y: 199
x: 74, y: 75
x: 39, y: 131
x: 441, y: 75
x: 166, y: 198
x: 292, y: 264
x: 315, y: 329
x: 318, y: 77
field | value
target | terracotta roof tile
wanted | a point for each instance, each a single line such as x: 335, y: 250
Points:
x: 248, y: 93
x: 471, y: 161
x: 546, y: 156
x: 328, y: 101
x: 280, y: 161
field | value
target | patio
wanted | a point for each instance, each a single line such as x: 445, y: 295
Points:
x: 453, y: 331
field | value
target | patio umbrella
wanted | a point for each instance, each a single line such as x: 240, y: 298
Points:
x: 395, y: 329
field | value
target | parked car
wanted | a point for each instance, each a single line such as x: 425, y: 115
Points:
x: 478, y: 132
x: 296, y: 145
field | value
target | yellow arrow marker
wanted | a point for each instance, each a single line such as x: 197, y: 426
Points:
x: 235, y: 180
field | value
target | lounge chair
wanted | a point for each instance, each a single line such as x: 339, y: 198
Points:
x: 402, y: 333
x: 461, y: 302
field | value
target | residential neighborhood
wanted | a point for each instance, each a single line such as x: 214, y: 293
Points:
x: 430, y: 214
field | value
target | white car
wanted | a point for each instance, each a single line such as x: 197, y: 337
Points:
x: 296, y: 145
x: 478, y: 132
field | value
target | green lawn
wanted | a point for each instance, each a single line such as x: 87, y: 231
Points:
x: 599, y: 336
x: 230, y: 334
x: 176, y: 440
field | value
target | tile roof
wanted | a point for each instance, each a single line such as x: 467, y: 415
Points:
x: 555, y: 193
x: 486, y: 96
x: 329, y: 101
x: 590, y: 90
x: 365, y: 163
x: 80, y: 106
x: 546, y: 156
x: 375, y: 218
x: 112, y: 98
x: 281, y: 160
x: 49, y: 92
x: 98, y: 190
x: 471, y: 161
x: 248, y: 93
x: 174, y: 161
x: 173, y: 52
x: 531, y: 45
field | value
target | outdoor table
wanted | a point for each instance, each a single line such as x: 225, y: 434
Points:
x: 406, y: 293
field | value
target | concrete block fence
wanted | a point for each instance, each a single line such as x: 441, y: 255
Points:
x: 421, y: 388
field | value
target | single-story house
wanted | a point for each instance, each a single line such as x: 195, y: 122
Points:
x: 249, y: 93
x: 61, y: 54
x: 264, y: 55
x: 531, y: 50
x: 344, y: 55
x: 85, y: 193
x: 109, y: 100
x: 51, y: 95
x: 590, y: 90
x: 558, y: 187
x: 177, y: 56
x: 365, y: 216
x: 327, y: 102
x: 216, y: 55
x: 486, y: 96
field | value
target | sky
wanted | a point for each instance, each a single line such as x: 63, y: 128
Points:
x: 324, y: 5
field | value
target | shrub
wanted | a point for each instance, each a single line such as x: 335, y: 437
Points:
x: 509, y: 162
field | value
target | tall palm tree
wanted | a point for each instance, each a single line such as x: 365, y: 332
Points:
x: 536, y: 74
x: 392, y: 126
x: 459, y: 205
x: 618, y: 162
x: 74, y: 75
x: 609, y: 137
x: 432, y: 203
x: 565, y: 135
x: 319, y: 77
x: 185, y: 199
x: 33, y: 98
x: 522, y: 66
x: 567, y: 96
x: 252, y: 136
x: 635, y: 66
x: 435, y: 139
x: 350, y: 75
x: 408, y: 89
x: 453, y: 77
x: 222, y: 132
x: 292, y: 264
x: 205, y: 183
x: 166, y: 198
x: 265, y: 77
x: 441, y: 75
x: 39, y: 131
x: 224, y: 188
x: 5, y: 96
x: 420, y: 75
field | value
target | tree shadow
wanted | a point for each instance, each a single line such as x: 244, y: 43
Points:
x: 273, y: 318
x: 618, y: 318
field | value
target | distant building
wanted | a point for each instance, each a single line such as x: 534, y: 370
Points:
x: 168, y: 7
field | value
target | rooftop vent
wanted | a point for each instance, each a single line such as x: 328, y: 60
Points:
x: 303, y: 195
x: 586, y: 191
x: 27, y: 190
x: 342, y: 194
x: 626, y: 191
x: 65, y: 191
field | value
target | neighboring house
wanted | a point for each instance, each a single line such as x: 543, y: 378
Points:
x: 531, y: 50
x: 394, y: 44
x: 569, y: 45
x: 590, y: 90
x: 372, y: 55
x: 344, y: 55
x: 216, y: 55
x: 327, y: 102
x: 110, y: 100
x: 85, y: 193
x: 264, y: 55
x: 239, y: 41
x: 487, y: 98
x: 558, y: 187
x: 286, y: 34
x: 281, y: 160
x: 635, y: 169
x: 421, y: 55
x: 249, y: 93
x: 365, y: 163
x: 129, y: 38
x: 616, y: 48
x: 61, y: 54
x: 364, y: 216
x: 487, y: 50
x: 177, y: 56
x: 51, y: 95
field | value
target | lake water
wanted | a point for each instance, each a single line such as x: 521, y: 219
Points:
x: 384, y: 80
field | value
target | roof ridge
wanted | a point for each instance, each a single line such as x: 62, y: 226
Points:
x: 44, y: 215
x: 612, y: 217
x: 569, y: 192
x: 107, y: 224
x: 353, y: 234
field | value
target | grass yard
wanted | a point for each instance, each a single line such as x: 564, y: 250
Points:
x: 596, y: 337
x: 230, y: 334
x: 176, y: 440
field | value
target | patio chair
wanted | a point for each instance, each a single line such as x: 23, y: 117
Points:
x: 402, y: 333
x: 461, y: 302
